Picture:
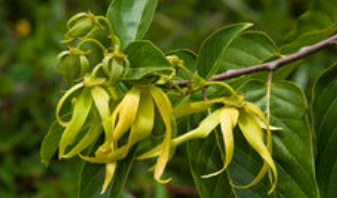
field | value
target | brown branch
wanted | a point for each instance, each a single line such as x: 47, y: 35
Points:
x: 272, y: 65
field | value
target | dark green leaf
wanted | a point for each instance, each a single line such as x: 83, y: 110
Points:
x: 93, y: 176
x: 248, y: 49
x: 51, y: 142
x: 145, y: 58
x: 215, y: 46
x: 131, y: 18
x: 325, y: 115
x: 318, y: 23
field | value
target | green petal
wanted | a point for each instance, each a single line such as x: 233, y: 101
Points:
x: 228, y: 119
x: 254, y: 136
x: 165, y: 110
x: 62, y: 100
x: 81, y: 110
x: 91, y: 136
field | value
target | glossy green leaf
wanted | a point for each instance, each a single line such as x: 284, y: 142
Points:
x: 248, y: 49
x: 93, y: 175
x: 145, y: 58
x: 318, y: 23
x: 131, y: 19
x: 215, y: 46
x: 204, y: 158
x: 325, y: 114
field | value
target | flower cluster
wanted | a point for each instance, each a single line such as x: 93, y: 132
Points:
x: 103, y: 100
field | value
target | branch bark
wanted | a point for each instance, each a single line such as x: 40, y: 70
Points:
x: 272, y: 65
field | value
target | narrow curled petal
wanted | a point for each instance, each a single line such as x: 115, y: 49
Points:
x: 144, y: 122
x: 112, y: 156
x: 91, y: 136
x: 81, y: 110
x: 203, y: 130
x: 228, y: 119
x: 110, y: 170
x: 127, y: 113
x: 186, y: 109
x: 165, y: 109
x: 254, y: 136
x: 101, y: 100
x: 62, y: 100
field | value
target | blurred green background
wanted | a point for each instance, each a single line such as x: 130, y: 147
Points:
x: 30, y: 35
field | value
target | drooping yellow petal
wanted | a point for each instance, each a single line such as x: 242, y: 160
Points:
x: 228, y: 120
x: 165, y: 109
x: 127, y: 113
x: 144, y: 122
x: 254, y: 136
x: 193, y: 107
x: 110, y: 170
x: 203, y: 130
x: 112, y: 156
x: 101, y: 100
x: 81, y: 110
x: 62, y: 100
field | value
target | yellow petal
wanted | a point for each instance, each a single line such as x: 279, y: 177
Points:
x: 254, y: 136
x: 144, y: 122
x: 165, y: 109
x: 101, y: 100
x: 203, y: 130
x: 127, y: 113
x: 228, y: 120
x: 193, y: 107
x: 110, y: 170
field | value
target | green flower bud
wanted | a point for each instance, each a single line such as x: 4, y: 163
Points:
x: 81, y: 25
x: 73, y: 64
x: 113, y: 66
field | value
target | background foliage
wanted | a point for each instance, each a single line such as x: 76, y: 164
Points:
x: 30, y: 35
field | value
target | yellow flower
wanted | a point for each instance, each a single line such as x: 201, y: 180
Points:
x: 136, y: 113
x: 246, y: 115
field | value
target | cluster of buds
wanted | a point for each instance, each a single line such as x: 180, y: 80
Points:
x: 100, y: 96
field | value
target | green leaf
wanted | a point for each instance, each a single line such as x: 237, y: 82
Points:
x: 51, y: 142
x: 215, y: 46
x: 93, y: 175
x: 318, y: 23
x: 292, y: 146
x: 248, y: 49
x: 131, y: 19
x: 145, y: 58
x: 204, y: 158
x: 324, y: 111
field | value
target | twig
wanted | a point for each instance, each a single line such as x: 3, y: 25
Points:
x: 272, y: 65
